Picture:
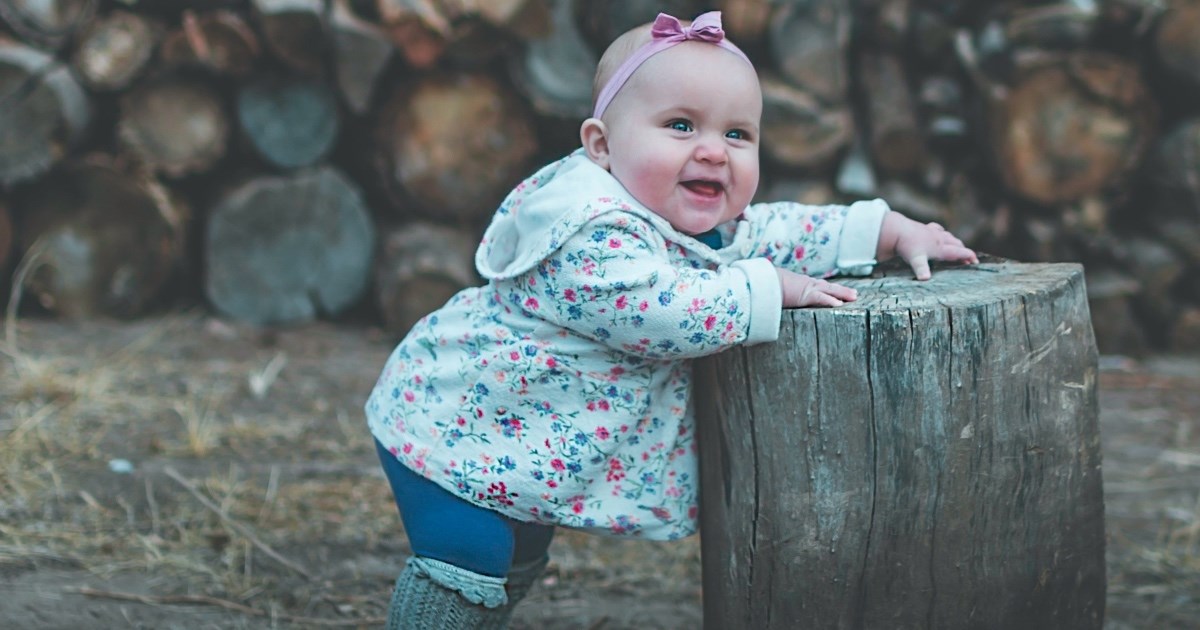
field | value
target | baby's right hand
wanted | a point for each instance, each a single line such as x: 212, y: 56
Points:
x: 801, y: 290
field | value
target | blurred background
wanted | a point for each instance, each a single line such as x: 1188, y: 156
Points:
x: 283, y: 161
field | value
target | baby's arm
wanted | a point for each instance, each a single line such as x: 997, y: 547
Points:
x: 801, y: 290
x: 918, y: 243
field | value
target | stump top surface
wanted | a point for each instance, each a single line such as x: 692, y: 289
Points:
x: 892, y: 288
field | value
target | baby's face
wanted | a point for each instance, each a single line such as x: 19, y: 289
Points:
x: 683, y: 135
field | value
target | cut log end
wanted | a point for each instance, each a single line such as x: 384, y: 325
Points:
x: 174, y: 126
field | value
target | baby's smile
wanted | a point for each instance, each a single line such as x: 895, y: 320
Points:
x: 704, y: 187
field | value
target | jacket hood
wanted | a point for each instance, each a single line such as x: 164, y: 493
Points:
x: 542, y: 212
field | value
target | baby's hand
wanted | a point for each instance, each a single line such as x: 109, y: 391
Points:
x: 801, y: 290
x: 918, y: 243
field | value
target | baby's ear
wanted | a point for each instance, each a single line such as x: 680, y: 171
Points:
x: 593, y: 133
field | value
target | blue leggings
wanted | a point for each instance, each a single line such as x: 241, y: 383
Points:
x: 444, y: 527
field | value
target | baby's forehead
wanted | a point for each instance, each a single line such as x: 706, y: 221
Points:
x: 703, y: 61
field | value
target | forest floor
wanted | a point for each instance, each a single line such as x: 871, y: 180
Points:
x: 183, y: 472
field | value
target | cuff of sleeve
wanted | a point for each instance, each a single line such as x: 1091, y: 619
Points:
x: 860, y: 237
x: 766, y: 299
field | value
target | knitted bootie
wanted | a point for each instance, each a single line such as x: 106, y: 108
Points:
x: 434, y: 595
x: 521, y: 578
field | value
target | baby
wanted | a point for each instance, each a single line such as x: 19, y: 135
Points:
x: 559, y: 394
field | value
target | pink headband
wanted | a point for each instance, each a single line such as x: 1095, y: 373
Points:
x: 667, y: 32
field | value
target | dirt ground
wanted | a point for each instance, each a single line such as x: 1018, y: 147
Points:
x: 181, y: 472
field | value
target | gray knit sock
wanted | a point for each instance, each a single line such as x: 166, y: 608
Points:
x: 433, y: 595
x: 521, y: 578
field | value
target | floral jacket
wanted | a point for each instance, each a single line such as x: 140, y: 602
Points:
x: 560, y: 392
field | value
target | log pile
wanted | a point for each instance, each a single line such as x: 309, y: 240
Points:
x: 1057, y: 131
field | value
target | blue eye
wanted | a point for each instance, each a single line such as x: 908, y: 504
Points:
x: 737, y: 134
x: 680, y: 125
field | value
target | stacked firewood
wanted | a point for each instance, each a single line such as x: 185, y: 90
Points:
x: 285, y: 160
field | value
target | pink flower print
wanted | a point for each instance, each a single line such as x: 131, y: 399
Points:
x: 514, y: 355
x: 407, y: 448
x: 557, y: 464
x: 417, y: 379
x: 808, y: 227
x: 622, y: 302
x: 603, y: 405
x: 709, y: 321
x: 697, y: 304
x: 614, y: 243
x: 577, y: 507
x: 798, y: 252
x: 673, y: 492
x: 531, y: 303
x: 643, y: 306
x: 461, y: 421
x: 569, y: 294
x: 409, y: 396
x: 601, y: 433
x: 551, y: 363
x: 615, y: 372
x: 550, y: 483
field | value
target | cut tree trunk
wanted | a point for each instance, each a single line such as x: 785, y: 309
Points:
x: 219, y: 41
x: 897, y: 146
x: 603, y: 22
x: 294, y: 32
x: 416, y: 28
x: 47, y: 24
x: 115, y: 49
x: 361, y: 51
x: 926, y: 457
x: 283, y: 250
x: 454, y: 172
x: 1176, y: 174
x: 6, y: 238
x: 43, y: 112
x: 798, y: 130
x: 1110, y: 300
x: 808, y: 43
x: 98, y: 241
x: 174, y: 125
x: 420, y: 266
x: 746, y: 20
x: 1177, y: 41
x: 1072, y: 126
x: 555, y: 71
x: 290, y: 123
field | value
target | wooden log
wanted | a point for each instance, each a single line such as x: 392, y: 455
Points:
x: 115, y: 49
x: 1175, y: 175
x: 1057, y: 25
x: 800, y: 131
x: 47, y: 24
x: 282, y: 250
x: 926, y: 457
x: 1177, y: 42
x: 1158, y: 269
x: 218, y: 41
x: 289, y: 122
x: 1185, y: 334
x: 746, y: 21
x: 454, y: 172
x: 417, y: 28
x: 1110, y: 301
x: 420, y: 266
x: 361, y: 52
x: 151, y: 125
x: 808, y: 43
x: 6, y: 238
x: 896, y: 142
x: 555, y: 71
x: 294, y: 32
x: 98, y: 240
x: 527, y: 19
x: 45, y: 112
x: 602, y: 22
x: 1072, y: 126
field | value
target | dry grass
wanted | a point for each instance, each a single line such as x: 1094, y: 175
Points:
x: 266, y: 431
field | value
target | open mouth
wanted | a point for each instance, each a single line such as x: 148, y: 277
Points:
x: 704, y: 188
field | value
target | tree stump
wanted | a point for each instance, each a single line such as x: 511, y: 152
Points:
x: 926, y: 457
x: 284, y: 250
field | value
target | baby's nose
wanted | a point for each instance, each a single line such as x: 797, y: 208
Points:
x: 711, y: 150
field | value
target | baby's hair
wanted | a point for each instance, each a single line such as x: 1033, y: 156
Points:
x: 617, y: 52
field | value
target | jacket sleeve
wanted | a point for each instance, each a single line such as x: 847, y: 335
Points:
x: 818, y: 241
x: 614, y: 282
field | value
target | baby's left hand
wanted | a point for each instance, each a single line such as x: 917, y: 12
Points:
x: 918, y: 243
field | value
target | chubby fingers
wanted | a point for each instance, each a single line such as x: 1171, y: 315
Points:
x: 825, y: 293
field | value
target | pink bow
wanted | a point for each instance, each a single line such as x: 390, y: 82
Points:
x: 706, y: 27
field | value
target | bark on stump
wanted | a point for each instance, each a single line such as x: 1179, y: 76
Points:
x: 927, y: 457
